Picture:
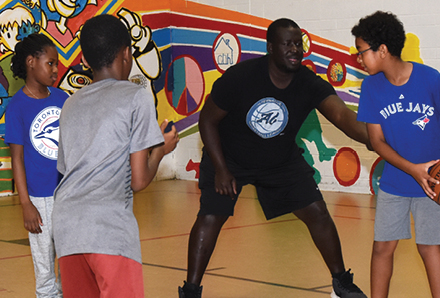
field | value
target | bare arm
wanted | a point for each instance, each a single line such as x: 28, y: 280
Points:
x: 418, y: 171
x: 144, y: 163
x: 31, y: 216
x: 210, y: 117
x: 334, y: 109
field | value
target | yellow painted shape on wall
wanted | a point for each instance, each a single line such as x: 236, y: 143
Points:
x: 411, y: 50
x: 164, y: 110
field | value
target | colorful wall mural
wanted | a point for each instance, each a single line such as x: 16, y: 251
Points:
x: 180, y: 48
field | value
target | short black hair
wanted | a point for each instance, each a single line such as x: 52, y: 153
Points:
x: 32, y: 45
x: 381, y: 28
x: 101, y: 39
x: 283, y: 23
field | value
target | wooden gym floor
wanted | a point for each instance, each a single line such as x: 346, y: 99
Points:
x: 254, y: 258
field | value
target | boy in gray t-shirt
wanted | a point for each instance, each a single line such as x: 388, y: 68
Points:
x: 110, y: 145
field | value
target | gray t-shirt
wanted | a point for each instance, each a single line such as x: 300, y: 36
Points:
x: 100, y: 126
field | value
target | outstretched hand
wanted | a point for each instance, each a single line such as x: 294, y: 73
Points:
x: 420, y: 173
x: 171, y: 138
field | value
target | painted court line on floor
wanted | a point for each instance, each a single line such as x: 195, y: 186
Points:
x: 208, y: 272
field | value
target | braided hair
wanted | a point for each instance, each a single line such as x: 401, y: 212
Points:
x: 32, y: 45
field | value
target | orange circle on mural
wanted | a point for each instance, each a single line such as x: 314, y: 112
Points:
x: 346, y: 166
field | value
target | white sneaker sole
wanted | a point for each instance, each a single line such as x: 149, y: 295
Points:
x: 333, y: 295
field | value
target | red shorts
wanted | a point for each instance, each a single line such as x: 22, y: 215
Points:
x: 101, y: 276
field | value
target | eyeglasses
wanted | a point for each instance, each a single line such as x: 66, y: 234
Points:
x: 361, y: 52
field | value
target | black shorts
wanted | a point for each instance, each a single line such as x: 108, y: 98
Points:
x: 280, y: 190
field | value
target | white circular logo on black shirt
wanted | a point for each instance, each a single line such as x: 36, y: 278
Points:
x: 268, y: 117
x: 44, y: 132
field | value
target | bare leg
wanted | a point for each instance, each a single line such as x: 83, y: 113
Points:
x: 382, y: 267
x: 324, y: 234
x: 202, y: 242
x: 431, y: 258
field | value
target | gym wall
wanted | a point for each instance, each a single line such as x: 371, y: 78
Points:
x: 181, y: 47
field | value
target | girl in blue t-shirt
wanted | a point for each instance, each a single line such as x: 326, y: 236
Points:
x: 400, y: 102
x: 32, y: 134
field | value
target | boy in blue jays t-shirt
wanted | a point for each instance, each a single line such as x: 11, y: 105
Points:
x: 400, y: 102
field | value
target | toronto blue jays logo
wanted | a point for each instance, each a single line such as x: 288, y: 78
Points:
x: 268, y: 117
x: 44, y: 132
x: 421, y: 122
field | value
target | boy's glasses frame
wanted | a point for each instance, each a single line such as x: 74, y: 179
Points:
x: 361, y: 52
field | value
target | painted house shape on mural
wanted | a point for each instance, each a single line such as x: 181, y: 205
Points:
x: 224, y: 53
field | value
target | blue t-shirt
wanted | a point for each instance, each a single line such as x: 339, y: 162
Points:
x: 33, y: 123
x: 410, y: 119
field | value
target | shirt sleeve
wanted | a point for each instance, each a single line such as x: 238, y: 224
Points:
x: 225, y: 90
x: 366, y: 109
x: 61, y: 166
x: 14, y: 124
x: 320, y: 91
x: 145, y: 130
x: 436, y: 91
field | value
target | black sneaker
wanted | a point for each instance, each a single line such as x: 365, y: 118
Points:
x: 343, y: 287
x: 190, y: 291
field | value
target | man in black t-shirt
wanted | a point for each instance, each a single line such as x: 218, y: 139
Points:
x: 248, y: 126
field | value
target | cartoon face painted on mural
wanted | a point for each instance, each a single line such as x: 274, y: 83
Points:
x: 15, y: 24
x: 148, y: 65
x: 58, y: 11
x: 146, y: 55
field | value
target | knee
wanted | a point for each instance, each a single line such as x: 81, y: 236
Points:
x: 315, y: 213
x: 210, y: 222
x: 204, y: 233
x: 212, y: 219
x: 427, y: 250
x: 384, y: 248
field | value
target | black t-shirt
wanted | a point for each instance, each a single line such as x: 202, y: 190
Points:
x: 262, y: 122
